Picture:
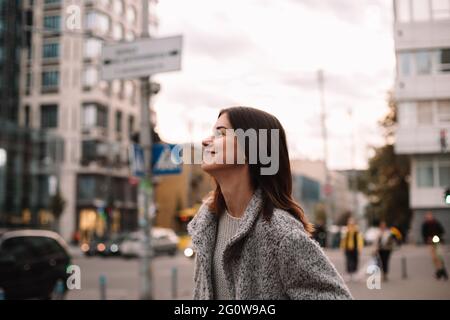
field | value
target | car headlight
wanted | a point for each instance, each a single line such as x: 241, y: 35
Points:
x: 114, y: 248
x: 188, y: 252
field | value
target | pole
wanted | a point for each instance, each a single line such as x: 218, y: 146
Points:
x: 146, y: 188
x: 320, y: 80
x: 353, y: 175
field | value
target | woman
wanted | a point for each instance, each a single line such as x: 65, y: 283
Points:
x: 352, y: 243
x: 252, y: 240
x: 385, y: 244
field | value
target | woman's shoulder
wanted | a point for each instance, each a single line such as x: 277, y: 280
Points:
x: 283, y: 224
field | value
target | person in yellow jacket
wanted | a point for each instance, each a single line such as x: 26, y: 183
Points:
x: 352, y: 243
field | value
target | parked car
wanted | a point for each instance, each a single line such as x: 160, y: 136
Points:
x: 112, y: 246
x: 96, y: 246
x: 31, y: 263
x: 164, y: 241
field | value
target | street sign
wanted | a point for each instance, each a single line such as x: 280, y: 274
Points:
x: 136, y: 154
x: 141, y: 58
x: 162, y: 162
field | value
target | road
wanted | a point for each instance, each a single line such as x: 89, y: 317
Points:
x: 122, y: 277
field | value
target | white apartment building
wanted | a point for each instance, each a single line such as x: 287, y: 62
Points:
x: 422, y: 91
x: 92, y: 120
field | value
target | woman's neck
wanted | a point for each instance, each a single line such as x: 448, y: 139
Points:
x: 237, y: 190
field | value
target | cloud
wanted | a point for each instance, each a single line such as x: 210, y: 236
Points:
x: 266, y: 53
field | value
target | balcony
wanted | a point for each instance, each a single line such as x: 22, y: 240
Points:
x: 419, y: 140
x: 435, y: 86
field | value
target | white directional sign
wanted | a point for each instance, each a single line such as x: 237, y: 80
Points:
x: 141, y: 58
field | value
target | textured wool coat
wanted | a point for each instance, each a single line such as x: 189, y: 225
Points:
x: 273, y: 259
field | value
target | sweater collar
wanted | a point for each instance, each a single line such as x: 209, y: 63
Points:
x: 203, y: 227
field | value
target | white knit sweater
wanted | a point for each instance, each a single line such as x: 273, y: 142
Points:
x: 226, y: 229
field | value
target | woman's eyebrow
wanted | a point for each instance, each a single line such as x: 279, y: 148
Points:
x: 221, y: 127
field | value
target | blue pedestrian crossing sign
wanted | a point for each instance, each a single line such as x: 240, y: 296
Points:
x: 136, y: 154
x: 163, y: 162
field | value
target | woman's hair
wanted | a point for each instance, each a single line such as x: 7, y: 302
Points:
x: 276, y: 188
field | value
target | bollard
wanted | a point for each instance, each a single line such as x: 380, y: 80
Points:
x: 102, y: 287
x: 58, y: 290
x: 174, y: 282
x: 2, y: 294
x: 404, y: 271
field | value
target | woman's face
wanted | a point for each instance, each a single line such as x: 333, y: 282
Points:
x: 220, y: 149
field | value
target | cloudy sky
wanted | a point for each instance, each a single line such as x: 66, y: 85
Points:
x: 265, y: 54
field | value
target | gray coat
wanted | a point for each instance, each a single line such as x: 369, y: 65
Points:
x: 264, y: 260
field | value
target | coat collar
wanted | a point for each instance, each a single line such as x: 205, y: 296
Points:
x: 203, y: 228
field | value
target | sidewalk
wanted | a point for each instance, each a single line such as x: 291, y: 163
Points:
x: 419, y: 284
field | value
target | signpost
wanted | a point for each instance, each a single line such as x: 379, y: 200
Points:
x: 139, y: 60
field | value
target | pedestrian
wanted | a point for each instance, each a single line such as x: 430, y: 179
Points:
x: 432, y: 233
x: 352, y: 243
x: 384, y: 246
x: 252, y: 240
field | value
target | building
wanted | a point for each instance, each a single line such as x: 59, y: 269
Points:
x: 61, y: 93
x: 309, y: 178
x: 422, y: 93
x: 23, y: 195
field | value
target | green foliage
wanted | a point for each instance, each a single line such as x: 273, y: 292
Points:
x: 386, y: 182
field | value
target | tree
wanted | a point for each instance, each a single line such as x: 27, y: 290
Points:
x: 56, y: 206
x: 386, y: 182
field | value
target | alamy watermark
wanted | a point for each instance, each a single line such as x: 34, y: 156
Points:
x: 263, y: 148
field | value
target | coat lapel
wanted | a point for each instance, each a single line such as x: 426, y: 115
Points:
x: 249, y: 218
x: 203, y: 229
x: 203, y: 232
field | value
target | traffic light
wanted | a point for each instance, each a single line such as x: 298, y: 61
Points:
x: 447, y: 196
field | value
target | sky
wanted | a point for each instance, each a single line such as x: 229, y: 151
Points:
x: 266, y: 54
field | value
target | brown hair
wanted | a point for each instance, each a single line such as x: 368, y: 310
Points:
x: 277, y: 188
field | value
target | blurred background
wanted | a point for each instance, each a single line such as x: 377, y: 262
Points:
x: 362, y: 89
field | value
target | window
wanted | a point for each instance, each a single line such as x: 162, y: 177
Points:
x: 92, y: 48
x: 444, y: 60
x: 97, y: 22
x: 50, y: 50
x: 444, y: 111
x: 52, y: 1
x: 90, y: 76
x: 131, y: 14
x: 423, y: 62
x: 444, y: 174
x: 118, y: 121
x: 421, y: 10
x: 129, y: 36
x: 406, y: 114
x: 424, y: 113
x: 128, y: 89
x: 49, y: 116
x: 118, y: 6
x: 440, y: 9
x: 403, y: 10
x: 425, y: 174
x: 50, y: 79
x: 404, y: 63
x: 117, y: 31
x: 86, y: 186
x: 28, y: 82
x: 94, y: 115
x: 117, y: 87
x: 52, y: 23
x: 130, y: 125
x: 27, y: 117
